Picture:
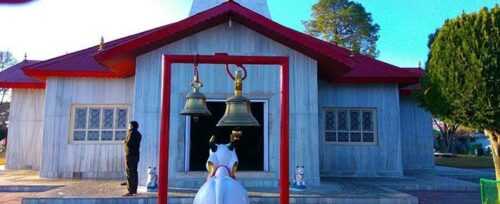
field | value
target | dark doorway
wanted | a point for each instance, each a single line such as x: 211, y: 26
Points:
x: 250, y: 148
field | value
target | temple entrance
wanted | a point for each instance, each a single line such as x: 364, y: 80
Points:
x: 251, y: 149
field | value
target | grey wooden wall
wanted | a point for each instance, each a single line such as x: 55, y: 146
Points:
x: 416, y: 134
x: 61, y: 158
x: 381, y: 159
x: 261, y: 84
x: 25, y: 129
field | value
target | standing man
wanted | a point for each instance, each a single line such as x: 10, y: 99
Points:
x: 132, y: 144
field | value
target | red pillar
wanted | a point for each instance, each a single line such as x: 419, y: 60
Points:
x: 164, y: 134
x: 224, y: 59
x: 284, y: 132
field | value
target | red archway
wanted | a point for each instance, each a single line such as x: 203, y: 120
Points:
x: 168, y: 60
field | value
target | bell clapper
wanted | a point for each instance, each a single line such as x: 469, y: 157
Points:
x: 195, y: 119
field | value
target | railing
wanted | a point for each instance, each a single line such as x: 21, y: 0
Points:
x: 489, y: 191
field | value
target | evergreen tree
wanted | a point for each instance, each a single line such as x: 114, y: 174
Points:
x: 462, y: 81
x: 344, y: 23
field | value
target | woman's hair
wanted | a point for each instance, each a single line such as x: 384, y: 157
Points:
x: 134, y: 124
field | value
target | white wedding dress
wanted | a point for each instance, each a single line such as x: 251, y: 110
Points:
x: 220, y: 187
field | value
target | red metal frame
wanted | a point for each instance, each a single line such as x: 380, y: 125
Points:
x: 224, y: 59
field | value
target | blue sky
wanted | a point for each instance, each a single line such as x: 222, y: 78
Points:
x: 48, y: 28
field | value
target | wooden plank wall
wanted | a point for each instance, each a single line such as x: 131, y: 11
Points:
x: 261, y: 84
x: 61, y: 158
x: 416, y: 133
x: 381, y: 159
x: 25, y: 129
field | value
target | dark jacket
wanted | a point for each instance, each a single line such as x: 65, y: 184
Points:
x: 132, y: 143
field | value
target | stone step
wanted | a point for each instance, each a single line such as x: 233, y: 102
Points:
x: 27, y: 188
x: 246, y: 182
x: 253, y: 200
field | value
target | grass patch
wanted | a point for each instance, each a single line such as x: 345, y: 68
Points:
x: 2, y: 158
x: 466, y: 161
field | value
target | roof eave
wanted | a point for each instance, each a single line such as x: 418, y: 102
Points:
x: 22, y: 85
x: 44, y: 74
x: 375, y: 80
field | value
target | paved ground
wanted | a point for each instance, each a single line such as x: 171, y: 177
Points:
x: 471, y: 175
x: 447, y: 197
x: 452, y: 197
x: 12, y: 198
x: 448, y: 185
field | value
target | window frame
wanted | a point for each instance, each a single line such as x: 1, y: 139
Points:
x: 374, y: 112
x: 115, y: 107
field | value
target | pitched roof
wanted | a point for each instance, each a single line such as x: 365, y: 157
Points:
x: 368, y: 70
x: 76, y: 64
x: 14, y: 77
x: 332, y: 59
x: 117, y: 59
x: 412, y: 88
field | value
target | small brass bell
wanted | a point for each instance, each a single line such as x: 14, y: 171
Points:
x: 238, y: 112
x: 196, y: 104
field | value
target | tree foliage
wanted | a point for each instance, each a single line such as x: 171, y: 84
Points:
x: 462, y: 83
x: 6, y: 60
x: 344, y: 23
x: 447, y: 135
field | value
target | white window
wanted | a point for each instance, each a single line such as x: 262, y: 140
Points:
x: 350, y: 126
x: 99, y: 123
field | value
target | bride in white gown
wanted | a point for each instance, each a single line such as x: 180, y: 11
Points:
x: 221, y: 186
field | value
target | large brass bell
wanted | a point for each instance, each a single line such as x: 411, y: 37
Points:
x: 238, y: 112
x: 196, y: 104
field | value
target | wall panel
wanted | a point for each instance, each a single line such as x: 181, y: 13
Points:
x: 25, y: 129
x: 61, y: 157
x: 380, y: 159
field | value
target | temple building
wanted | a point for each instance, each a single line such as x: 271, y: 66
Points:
x: 350, y: 115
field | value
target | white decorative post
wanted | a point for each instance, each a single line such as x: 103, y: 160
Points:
x: 299, y: 182
x: 152, y: 180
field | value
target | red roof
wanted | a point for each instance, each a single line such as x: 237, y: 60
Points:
x: 409, y: 90
x: 368, y: 70
x: 14, y: 77
x: 416, y: 70
x: 77, y: 64
x: 117, y: 59
x: 332, y: 59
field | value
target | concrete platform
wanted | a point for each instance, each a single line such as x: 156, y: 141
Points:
x: 332, y: 190
x: 324, y: 194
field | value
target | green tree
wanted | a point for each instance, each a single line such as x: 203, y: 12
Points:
x: 6, y: 60
x: 344, y: 23
x: 462, y: 81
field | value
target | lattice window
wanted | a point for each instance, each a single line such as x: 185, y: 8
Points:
x: 99, y: 123
x: 350, y: 125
